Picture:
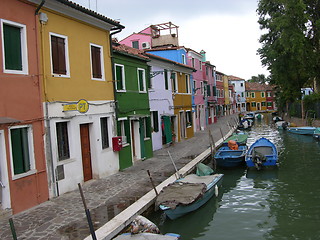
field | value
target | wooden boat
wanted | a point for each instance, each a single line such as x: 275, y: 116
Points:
x: 262, y: 153
x: 148, y: 236
x: 302, y: 130
x: 188, y: 194
x: 240, y: 137
x: 316, y: 133
x: 227, y: 158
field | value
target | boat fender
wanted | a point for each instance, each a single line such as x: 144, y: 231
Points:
x: 216, y: 190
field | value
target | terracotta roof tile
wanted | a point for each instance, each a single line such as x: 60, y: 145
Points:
x: 254, y: 86
x: 234, y: 78
x: 129, y: 50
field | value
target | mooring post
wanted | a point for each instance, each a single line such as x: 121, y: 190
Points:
x: 13, y: 230
x: 213, y: 150
x: 154, y: 187
x: 93, y: 234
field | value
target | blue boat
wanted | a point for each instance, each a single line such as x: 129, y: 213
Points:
x: 302, y: 130
x: 227, y: 158
x: 188, y: 194
x: 316, y: 133
x: 262, y: 153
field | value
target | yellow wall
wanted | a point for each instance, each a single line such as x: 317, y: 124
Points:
x: 182, y: 102
x: 226, y: 89
x: 79, y: 85
x: 257, y: 99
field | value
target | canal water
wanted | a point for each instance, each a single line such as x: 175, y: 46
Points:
x: 272, y: 204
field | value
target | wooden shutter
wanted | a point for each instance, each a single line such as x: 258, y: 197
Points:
x: 96, y: 62
x: 119, y: 77
x: 12, y: 47
x: 58, y: 55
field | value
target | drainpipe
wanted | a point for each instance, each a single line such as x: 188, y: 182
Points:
x: 53, y: 182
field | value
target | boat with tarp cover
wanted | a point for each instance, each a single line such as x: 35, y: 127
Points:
x: 187, y: 194
x: 239, y: 136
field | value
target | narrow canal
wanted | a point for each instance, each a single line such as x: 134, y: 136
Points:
x: 281, y: 203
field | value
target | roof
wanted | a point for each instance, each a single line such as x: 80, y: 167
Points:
x: 254, y: 86
x: 89, y: 12
x: 163, y: 48
x: 170, y: 61
x: 234, y: 78
x: 133, y: 52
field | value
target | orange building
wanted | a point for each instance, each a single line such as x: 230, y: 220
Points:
x: 256, y: 97
x: 23, y: 176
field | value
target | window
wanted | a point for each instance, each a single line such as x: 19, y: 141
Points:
x: 183, y: 58
x: 192, y: 62
x: 97, y: 65
x: 263, y: 104
x: 269, y: 104
x: 155, y: 121
x: 188, y: 119
x: 252, y: 95
x: 241, y: 84
x: 141, y: 80
x: 268, y: 94
x: 218, y: 92
x: 208, y: 90
x: 214, y: 90
x: 201, y: 88
x: 253, y: 104
x: 200, y: 65
x: 174, y: 82
x: 124, y: 131
x: 262, y: 94
x: 222, y: 93
x: 242, y: 94
x: 63, y: 140
x: 194, y: 87
x: 207, y: 71
x: 59, y: 54
x: 14, y: 47
x: 135, y: 44
x: 21, y: 146
x: 188, y: 83
x: 104, y: 133
x: 120, y: 77
x: 166, y: 82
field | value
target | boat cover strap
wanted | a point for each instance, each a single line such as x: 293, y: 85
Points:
x: 180, y: 193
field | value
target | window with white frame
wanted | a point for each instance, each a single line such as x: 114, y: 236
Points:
x: 59, y: 55
x: 192, y: 62
x: 104, y: 132
x: 141, y: 80
x: 22, y: 149
x: 201, y: 88
x: 155, y: 121
x: 188, y: 118
x: 124, y: 130
x: 183, y: 58
x: 262, y: 94
x: 188, y: 83
x: 166, y: 79
x: 194, y: 87
x: 14, y: 47
x: 252, y: 95
x: 120, y: 77
x: 97, y: 63
x: 63, y: 140
x: 174, y: 82
x: 200, y: 64
x: 268, y: 94
x: 247, y: 94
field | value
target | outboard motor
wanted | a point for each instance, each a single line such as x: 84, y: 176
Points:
x: 285, y: 125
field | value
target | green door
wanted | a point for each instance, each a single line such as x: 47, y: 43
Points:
x: 166, y: 129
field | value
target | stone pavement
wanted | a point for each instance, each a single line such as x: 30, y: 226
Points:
x: 64, y: 217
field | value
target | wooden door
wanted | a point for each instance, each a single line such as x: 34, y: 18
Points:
x: 86, y: 154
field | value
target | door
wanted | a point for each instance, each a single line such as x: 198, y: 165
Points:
x: 142, y: 135
x: 86, y: 154
x: 182, y: 125
x: 258, y: 106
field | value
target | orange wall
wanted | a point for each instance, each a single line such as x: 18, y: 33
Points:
x: 20, y: 98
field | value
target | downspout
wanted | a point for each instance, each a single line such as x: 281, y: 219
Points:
x: 54, y: 184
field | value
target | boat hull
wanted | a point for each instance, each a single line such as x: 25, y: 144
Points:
x: 227, y: 158
x: 263, y: 147
x: 301, y: 130
x: 182, y: 210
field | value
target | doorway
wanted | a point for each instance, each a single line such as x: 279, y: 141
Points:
x: 86, y: 153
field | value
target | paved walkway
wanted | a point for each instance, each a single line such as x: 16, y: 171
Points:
x: 64, y: 218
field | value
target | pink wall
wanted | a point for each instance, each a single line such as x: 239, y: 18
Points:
x: 138, y: 37
x: 20, y: 98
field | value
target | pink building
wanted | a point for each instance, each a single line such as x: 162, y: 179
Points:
x: 220, y: 94
x: 22, y: 158
x: 209, y: 76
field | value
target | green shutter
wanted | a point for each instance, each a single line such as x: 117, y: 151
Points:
x: 167, y: 129
x: 140, y: 76
x: 20, y: 150
x: 155, y: 121
x: 119, y: 78
x: 127, y: 130
x: 214, y: 89
x: 12, y: 47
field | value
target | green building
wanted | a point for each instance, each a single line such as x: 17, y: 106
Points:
x: 132, y: 111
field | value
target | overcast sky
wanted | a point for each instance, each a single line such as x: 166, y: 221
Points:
x: 226, y: 29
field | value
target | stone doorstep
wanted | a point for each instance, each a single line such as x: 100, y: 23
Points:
x: 124, y: 218
x: 5, y: 213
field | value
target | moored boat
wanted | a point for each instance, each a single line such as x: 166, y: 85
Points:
x: 316, y: 133
x: 148, y: 236
x: 187, y: 194
x: 249, y: 115
x: 262, y: 153
x: 227, y: 158
x: 302, y: 130
x: 240, y: 137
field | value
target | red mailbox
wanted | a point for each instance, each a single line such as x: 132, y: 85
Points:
x: 117, y: 144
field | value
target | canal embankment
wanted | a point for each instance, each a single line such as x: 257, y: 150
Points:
x: 115, y: 200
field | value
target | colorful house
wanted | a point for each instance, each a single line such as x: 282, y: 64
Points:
x: 78, y: 93
x: 239, y: 87
x: 220, y: 93
x: 270, y: 98
x: 210, y: 76
x: 256, y: 96
x: 133, y: 110
x: 23, y: 173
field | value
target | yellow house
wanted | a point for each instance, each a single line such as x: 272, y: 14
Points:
x: 256, y: 96
x: 78, y: 93
x: 182, y: 101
